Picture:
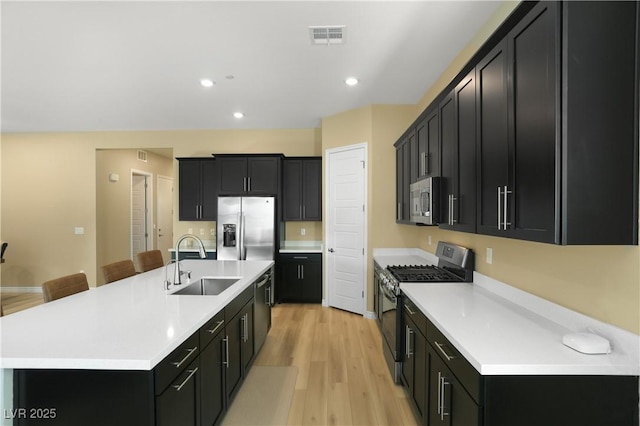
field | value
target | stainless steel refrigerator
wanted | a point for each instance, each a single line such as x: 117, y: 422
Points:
x: 246, y: 228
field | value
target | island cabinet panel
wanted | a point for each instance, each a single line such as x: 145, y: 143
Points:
x: 415, y: 362
x: 179, y: 404
x: 212, y: 394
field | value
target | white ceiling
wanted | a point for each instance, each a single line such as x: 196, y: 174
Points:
x: 120, y: 65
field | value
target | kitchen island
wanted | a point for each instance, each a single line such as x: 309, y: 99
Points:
x: 123, y: 332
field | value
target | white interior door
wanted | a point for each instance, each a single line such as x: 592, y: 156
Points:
x: 345, y: 228
x: 140, y: 215
x: 165, y: 216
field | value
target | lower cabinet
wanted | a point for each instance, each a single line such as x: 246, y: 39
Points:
x: 179, y: 404
x: 444, y: 389
x: 300, y: 278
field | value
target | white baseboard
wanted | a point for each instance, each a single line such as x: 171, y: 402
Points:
x: 4, y: 289
x: 370, y: 315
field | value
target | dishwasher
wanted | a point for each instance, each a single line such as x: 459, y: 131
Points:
x: 262, y: 309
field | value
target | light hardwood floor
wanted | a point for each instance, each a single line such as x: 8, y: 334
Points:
x: 342, y: 376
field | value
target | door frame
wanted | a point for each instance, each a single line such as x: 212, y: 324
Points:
x: 155, y: 228
x: 364, y: 146
x: 149, y: 204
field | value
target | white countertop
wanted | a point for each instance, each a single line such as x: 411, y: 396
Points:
x: 301, y: 247
x: 502, y: 330
x: 131, y: 324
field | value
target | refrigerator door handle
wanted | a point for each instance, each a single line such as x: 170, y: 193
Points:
x: 239, y: 236
x: 243, y: 250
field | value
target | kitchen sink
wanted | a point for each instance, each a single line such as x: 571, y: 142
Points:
x: 207, y: 286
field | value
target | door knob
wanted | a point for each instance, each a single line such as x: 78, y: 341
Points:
x: 331, y: 250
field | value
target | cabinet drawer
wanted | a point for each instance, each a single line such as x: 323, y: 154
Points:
x: 461, y: 368
x: 300, y: 257
x: 208, y: 331
x: 412, y: 311
x: 169, y: 368
x: 236, y: 304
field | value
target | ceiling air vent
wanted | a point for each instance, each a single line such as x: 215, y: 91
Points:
x: 326, y: 35
x: 142, y: 156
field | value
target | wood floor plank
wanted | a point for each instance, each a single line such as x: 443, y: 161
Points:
x: 315, y: 407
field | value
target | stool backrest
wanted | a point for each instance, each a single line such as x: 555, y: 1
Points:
x: 64, y: 286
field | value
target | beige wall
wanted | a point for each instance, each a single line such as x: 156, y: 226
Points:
x: 113, y: 201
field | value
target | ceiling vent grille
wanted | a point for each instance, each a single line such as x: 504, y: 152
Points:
x: 327, y: 35
x: 142, y: 155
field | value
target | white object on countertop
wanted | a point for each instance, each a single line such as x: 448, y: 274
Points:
x: 587, y: 343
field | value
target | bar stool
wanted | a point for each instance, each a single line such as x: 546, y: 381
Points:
x: 148, y: 260
x: 64, y: 286
x: 118, y: 270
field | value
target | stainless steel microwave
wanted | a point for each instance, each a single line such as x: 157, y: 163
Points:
x: 425, y: 196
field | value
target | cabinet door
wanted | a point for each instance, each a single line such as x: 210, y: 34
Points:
x: 414, y: 366
x: 407, y: 172
x: 449, y: 402
x: 209, y: 190
x: 428, y: 141
x: 464, y: 213
x: 246, y: 347
x: 189, y: 189
x: 233, y: 175
x: 449, y: 181
x: 212, y: 384
x: 233, y: 360
x: 312, y: 189
x: 493, y: 141
x: 399, y: 183
x: 292, y: 189
x: 532, y: 49
x: 310, y: 282
x: 287, y: 279
x: 263, y: 175
x: 179, y: 404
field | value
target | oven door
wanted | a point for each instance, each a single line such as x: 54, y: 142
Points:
x: 389, y: 314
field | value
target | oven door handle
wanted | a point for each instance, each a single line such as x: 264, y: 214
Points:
x: 388, y: 294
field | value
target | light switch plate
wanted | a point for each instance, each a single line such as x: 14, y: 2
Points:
x: 489, y: 255
x: 79, y: 230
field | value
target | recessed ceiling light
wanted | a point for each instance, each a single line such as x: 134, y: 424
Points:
x: 207, y: 82
x: 351, y: 81
x: 238, y: 114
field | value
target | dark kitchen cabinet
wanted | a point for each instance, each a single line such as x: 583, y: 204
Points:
x: 249, y: 175
x: 458, y: 143
x: 238, y: 341
x: 428, y: 143
x: 179, y: 404
x: 212, y: 393
x: 198, y: 189
x: 449, y: 403
x: 300, y: 278
x: 516, y: 131
x: 415, y: 359
x: 406, y: 173
x: 302, y: 188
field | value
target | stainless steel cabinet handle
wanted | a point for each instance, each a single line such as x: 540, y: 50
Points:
x: 200, y: 211
x: 302, y: 272
x: 505, y: 223
x: 243, y: 320
x: 179, y: 363
x: 304, y: 212
x: 191, y: 373
x: 441, y: 347
x: 197, y: 211
x: 409, y: 332
x: 226, y: 351
x: 267, y: 295
x: 409, y: 311
x: 249, y: 184
x: 399, y: 212
x: 442, y: 396
x: 300, y: 210
x: 244, y: 184
x: 218, y: 325
x: 422, y: 167
x: 298, y: 268
x: 301, y: 257
x: 499, y: 209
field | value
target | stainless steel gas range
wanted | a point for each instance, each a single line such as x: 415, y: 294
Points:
x: 455, y: 264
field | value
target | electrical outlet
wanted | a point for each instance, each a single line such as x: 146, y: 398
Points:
x: 429, y: 238
x: 212, y: 231
x: 489, y: 255
x: 202, y: 232
x: 190, y: 231
x: 303, y: 231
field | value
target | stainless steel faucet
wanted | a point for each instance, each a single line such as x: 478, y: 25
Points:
x: 177, y: 275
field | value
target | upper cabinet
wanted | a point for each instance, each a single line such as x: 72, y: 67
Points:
x: 302, y: 188
x: 428, y: 140
x: 198, y: 189
x: 458, y: 137
x: 406, y: 173
x: 549, y: 107
x: 249, y: 174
